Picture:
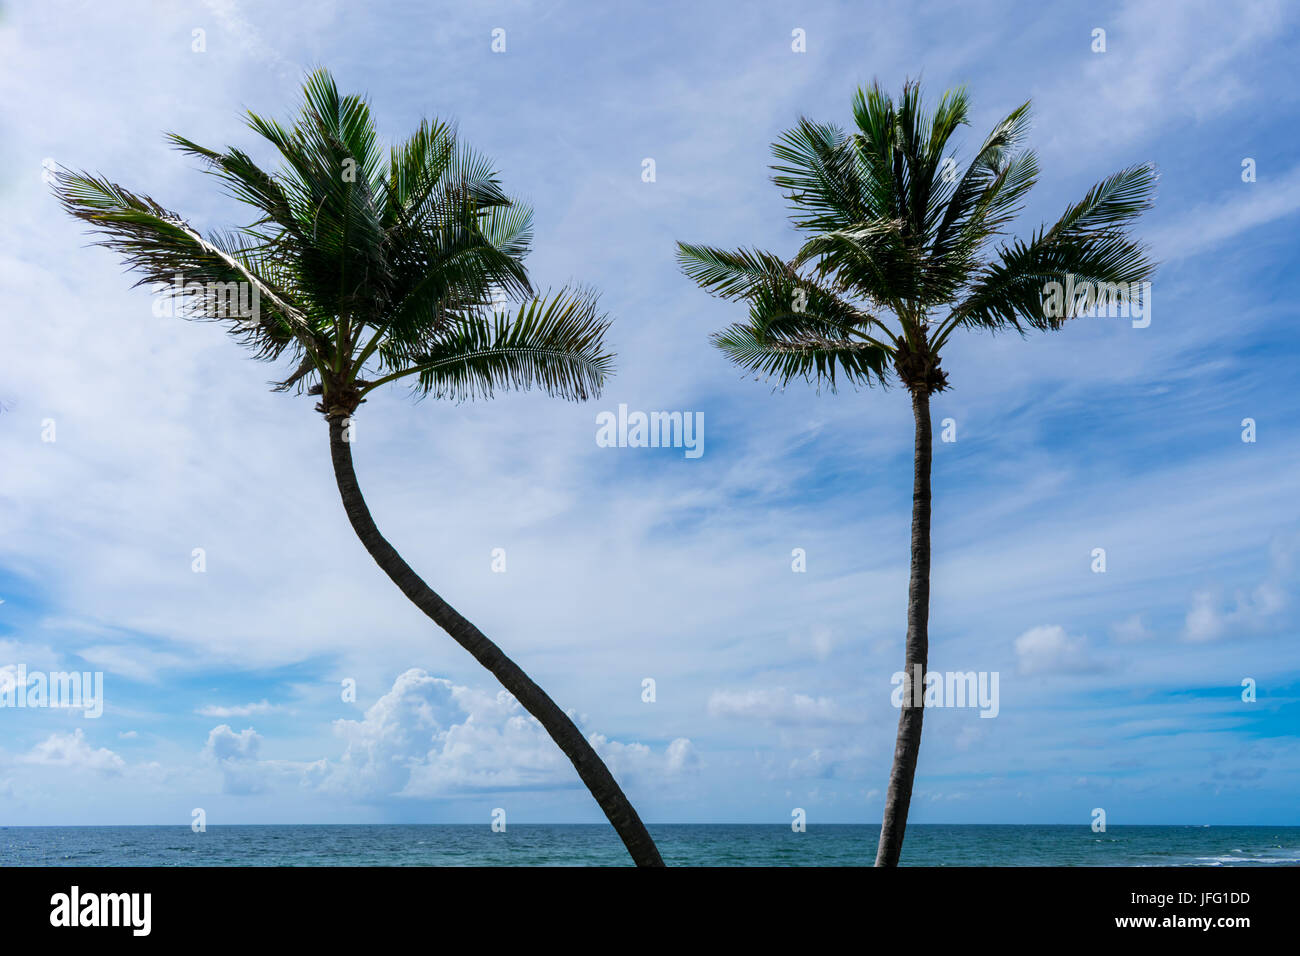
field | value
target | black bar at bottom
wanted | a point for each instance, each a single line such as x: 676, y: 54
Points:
x: 335, y: 904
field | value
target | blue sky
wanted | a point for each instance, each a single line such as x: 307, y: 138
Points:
x: 1119, y: 690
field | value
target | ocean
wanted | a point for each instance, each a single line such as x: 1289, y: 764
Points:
x: 680, y: 844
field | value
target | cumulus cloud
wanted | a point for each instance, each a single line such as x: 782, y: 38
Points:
x: 682, y: 756
x: 224, y: 744
x: 72, y: 750
x: 236, y: 755
x: 1050, y: 650
x: 428, y: 737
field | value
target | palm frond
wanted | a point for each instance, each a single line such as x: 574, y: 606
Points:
x: 803, y: 356
x: 163, y: 248
x: 1088, y: 244
x: 800, y: 329
x: 553, y: 342
x: 730, y: 275
x: 817, y: 169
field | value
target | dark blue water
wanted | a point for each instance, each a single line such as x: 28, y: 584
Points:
x: 680, y: 844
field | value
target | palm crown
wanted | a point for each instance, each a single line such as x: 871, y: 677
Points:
x: 368, y: 268
x: 902, y: 249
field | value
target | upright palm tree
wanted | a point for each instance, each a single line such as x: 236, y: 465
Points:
x: 901, y: 251
x: 369, y: 269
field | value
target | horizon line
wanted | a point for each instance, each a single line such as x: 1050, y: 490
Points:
x: 1109, y: 826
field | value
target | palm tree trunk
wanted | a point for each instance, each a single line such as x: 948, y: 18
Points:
x: 563, y: 731
x: 908, y: 744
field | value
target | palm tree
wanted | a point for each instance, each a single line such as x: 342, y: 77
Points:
x: 900, y: 252
x: 368, y: 269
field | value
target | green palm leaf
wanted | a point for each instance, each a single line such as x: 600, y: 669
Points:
x: 553, y: 342
x: 371, y: 264
x: 891, y: 231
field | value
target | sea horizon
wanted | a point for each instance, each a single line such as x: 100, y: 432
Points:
x: 682, y: 844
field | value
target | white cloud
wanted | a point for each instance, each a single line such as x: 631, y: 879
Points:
x: 1160, y: 69
x: 778, y: 706
x: 72, y: 750
x: 1240, y: 208
x: 130, y: 661
x: 241, y: 710
x: 1251, y: 611
x: 1131, y: 630
x: 428, y: 737
x: 224, y: 744
x: 35, y: 656
x: 682, y: 756
x: 236, y: 756
x: 1050, y: 650
x: 247, y: 37
x: 1204, y: 622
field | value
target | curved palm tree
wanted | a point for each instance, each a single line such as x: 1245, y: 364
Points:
x: 902, y: 251
x: 370, y: 269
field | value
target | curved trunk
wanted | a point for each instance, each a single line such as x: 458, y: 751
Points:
x: 908, y: 744
x: 563, y: 731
